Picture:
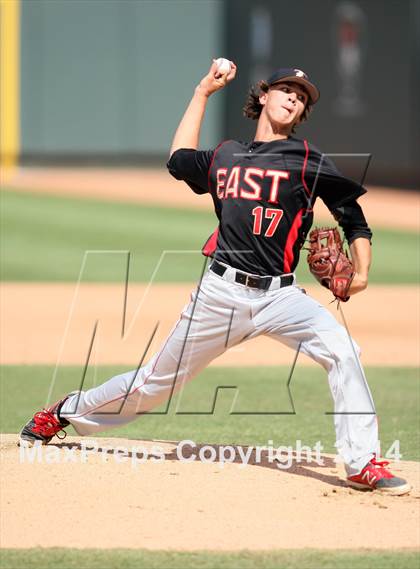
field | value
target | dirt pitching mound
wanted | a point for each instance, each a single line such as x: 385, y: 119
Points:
x: 105, y: 493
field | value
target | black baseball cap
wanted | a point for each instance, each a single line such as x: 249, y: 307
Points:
x: 297, y: 76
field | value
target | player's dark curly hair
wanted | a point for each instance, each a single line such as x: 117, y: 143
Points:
x: 253, y: 107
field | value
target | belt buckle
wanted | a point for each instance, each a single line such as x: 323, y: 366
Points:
x: 252, y: 281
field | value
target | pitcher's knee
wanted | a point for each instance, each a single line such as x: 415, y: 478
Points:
x: 345, y: 348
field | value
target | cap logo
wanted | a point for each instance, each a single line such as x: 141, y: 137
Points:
x: 299, y: 73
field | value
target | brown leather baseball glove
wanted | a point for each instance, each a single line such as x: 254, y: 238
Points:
x: 329, y: 263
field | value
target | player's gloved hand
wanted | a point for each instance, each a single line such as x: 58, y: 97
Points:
x: 214, y: 80
x: 329, y: 263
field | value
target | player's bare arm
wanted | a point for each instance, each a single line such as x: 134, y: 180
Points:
x: 188, y: 132
x: 361, y: 256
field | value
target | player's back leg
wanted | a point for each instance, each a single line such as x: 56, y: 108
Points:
x: 205, y: 329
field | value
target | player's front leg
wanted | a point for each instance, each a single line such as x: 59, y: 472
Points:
x: 311, y: 328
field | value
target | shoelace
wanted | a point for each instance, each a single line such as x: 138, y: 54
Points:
x: 379, y: 463
x: 379, y: 466
x: 45, y: 419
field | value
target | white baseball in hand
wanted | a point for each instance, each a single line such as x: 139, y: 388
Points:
x: 223, y: 65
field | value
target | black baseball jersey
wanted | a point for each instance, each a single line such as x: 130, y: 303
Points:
x: 263, y: 195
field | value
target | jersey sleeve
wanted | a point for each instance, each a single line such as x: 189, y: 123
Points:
x: 351, y: 219
x: 328, y: 183
x: 337, y: 191
x: 191, y: 166
x: 339, y: 194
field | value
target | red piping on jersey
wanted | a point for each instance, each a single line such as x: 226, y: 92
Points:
x: 291, y: 240
x: 216, y: 150
x: 305, y: 162
x: 210, y: 245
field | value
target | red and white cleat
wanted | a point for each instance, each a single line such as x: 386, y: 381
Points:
x: 375, y: 476
x: 43, y: 426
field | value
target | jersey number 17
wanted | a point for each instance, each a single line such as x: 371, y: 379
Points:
x: 274, y: 214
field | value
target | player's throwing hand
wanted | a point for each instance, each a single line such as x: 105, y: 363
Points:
x: 216, y: 79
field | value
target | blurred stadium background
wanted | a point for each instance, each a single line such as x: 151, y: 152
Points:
x: 105, y: 82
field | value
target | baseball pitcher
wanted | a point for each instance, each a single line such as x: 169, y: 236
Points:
x: 263, y: 193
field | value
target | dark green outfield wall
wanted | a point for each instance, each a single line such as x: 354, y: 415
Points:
x: 113, y: 76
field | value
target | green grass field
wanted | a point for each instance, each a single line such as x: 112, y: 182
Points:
x: 261, y: 390
x: 141, y: 559
x: 44, y: 238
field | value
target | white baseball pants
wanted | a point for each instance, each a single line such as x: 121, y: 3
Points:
x: 220, y: 305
